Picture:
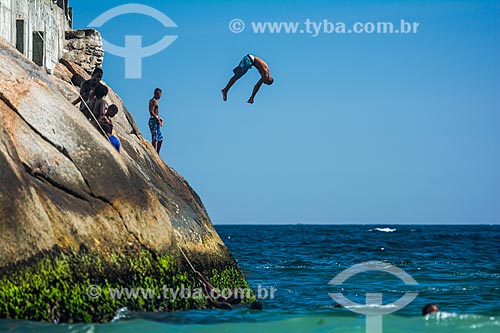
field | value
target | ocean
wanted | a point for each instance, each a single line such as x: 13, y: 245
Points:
x: 374, y: 266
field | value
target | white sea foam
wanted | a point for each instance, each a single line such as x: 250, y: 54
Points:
x: 383, y: 229
x: 371, y: 306
x: 120, y: 314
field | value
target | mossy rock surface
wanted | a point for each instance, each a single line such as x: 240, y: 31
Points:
x: 86, y: 287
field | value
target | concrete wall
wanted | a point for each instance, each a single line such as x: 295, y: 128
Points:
x: 36, y: 27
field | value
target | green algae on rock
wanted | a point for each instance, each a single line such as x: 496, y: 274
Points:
x: 86, y: 287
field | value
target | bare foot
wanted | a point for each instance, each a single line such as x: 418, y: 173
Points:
x: 250, y: 100
x: 224, y: 95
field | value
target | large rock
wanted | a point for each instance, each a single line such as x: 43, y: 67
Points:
x: 84, y: 48
x: 67, y: 197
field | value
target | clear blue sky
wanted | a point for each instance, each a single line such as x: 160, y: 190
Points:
x: 356, y: 128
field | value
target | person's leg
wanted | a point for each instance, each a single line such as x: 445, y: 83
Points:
x: 152, y: 129
x: 158, y: 146
x: 228, y: 86
x: 240, y: 70
x: 207, y: 291
x: 159, y: 138
x: 154, y: 136
x: 222, y: 305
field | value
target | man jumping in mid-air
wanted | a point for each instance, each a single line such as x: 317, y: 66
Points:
x: 245, y: 64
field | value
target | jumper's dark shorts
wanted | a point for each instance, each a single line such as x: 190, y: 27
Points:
x: 154, y: 127
x: 245, y: 64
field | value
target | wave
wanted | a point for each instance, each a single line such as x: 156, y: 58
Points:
x: 314, y: 323
x: 120, y: 314
x: 383, y: 229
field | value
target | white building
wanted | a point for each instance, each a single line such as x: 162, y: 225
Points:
x: 36, y: 28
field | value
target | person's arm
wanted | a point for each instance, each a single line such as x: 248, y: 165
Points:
x: 79, y: 98
x: 102, y: 109
x: 209, y: 289
x: 151, y: 109
x: 91, y: 94
x: 255, y: 90
x: 203, y: 280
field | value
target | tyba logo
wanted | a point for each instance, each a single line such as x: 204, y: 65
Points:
x: 373, y: 309
x: 133, y: 52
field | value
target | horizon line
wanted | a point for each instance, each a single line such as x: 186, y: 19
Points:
x: 373, y: 224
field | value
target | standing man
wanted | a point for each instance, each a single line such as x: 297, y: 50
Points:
x: 155, y: 122
x: 245, y: 64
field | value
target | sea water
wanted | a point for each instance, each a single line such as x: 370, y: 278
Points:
x: 456, y: 267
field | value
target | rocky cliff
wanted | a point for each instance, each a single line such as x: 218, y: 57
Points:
x: 75, y: 214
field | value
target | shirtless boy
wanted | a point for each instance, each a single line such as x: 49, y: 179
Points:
x: 245, y: 64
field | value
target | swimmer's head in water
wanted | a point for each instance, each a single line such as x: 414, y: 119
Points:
x: 256, y: 306
x: 429, y: 308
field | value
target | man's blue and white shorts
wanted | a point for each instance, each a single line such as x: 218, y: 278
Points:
x: 245, y: 64
x: 154, y: 127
